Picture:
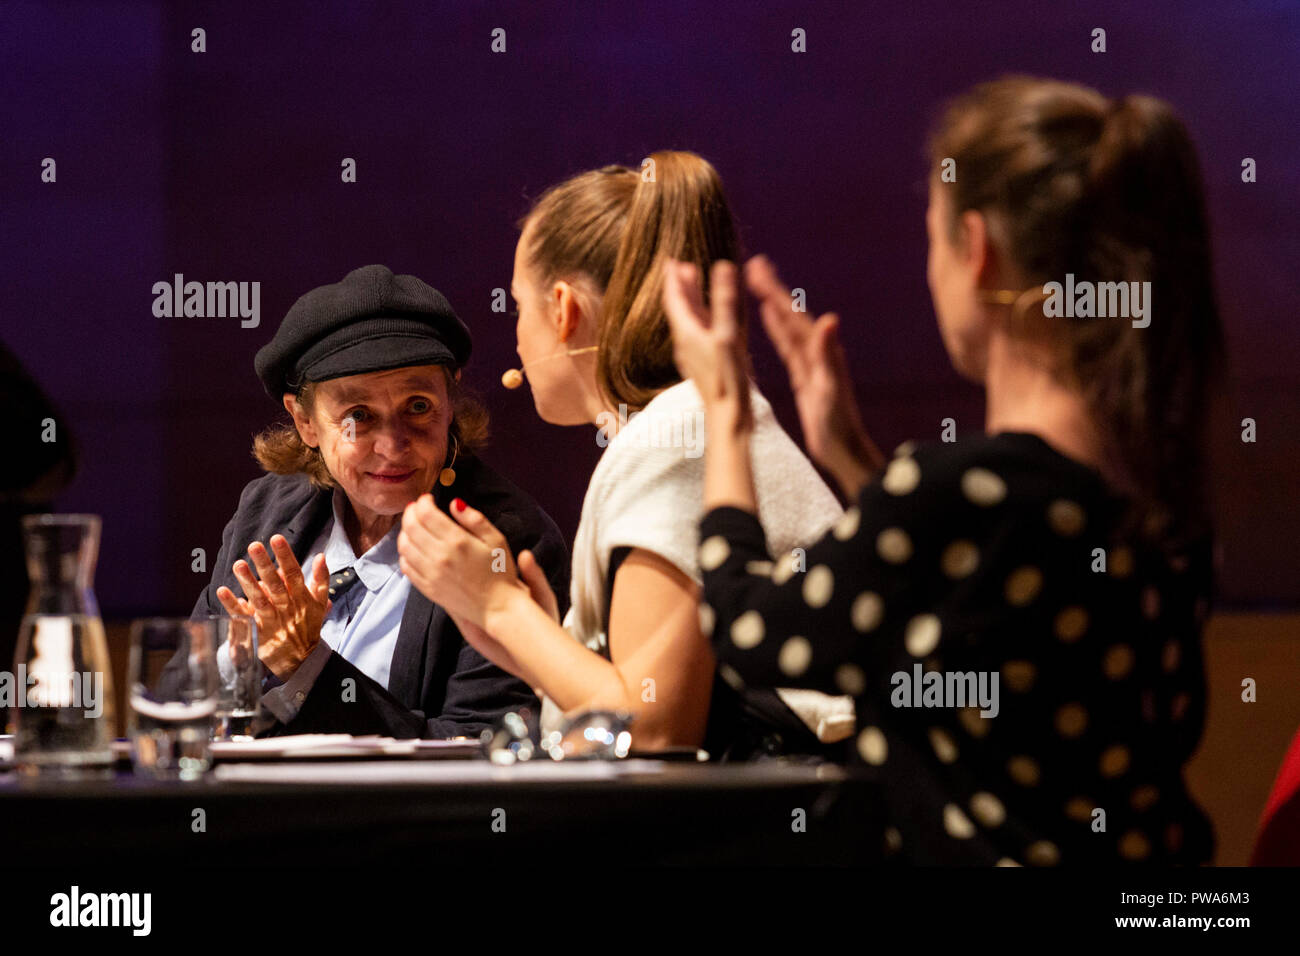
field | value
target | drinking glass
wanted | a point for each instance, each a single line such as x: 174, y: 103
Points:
x: 591, y: 735
x: 173, y: 679
x: 240, y: 678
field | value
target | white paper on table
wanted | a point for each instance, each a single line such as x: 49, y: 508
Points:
x: 319, y: 744
x: 333, y: 745
x: 433, y: 771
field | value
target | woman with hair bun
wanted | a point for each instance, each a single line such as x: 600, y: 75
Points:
x: 1064, y: 554
x: 588, y: 279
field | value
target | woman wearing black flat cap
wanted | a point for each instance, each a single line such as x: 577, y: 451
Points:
x: 368, y: 370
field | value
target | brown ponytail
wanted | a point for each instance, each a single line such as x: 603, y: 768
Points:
x: 1110, y: 191
x: 617, y: 226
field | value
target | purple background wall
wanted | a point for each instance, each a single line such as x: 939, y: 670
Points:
x: 225, y: 166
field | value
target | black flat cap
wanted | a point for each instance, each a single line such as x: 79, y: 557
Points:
x: 372, y: 321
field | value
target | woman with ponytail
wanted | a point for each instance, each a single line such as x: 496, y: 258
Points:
x: 1061, y: 560
x: 592, y: 335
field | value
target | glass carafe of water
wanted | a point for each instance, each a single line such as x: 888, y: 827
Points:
x: 63, y: 718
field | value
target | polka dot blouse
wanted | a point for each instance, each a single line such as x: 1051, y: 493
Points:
x: 997, y: 563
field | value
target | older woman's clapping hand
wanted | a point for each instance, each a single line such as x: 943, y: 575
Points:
x: 288, y: 608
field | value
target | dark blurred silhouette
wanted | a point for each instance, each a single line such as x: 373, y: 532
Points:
x: 40, y: 461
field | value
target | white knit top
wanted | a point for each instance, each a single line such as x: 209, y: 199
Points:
x: 648, y: 492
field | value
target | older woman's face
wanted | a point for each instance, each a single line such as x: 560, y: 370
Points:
x: 383, y: 435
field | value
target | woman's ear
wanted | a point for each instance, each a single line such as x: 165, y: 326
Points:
x: 977, y: 251
x: 972, y: 241
x: 301, y: 420
x: 569, y: 311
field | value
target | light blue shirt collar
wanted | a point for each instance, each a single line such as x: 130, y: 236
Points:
x: 376, y: 566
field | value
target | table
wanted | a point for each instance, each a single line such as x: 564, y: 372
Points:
x: 370, y: 811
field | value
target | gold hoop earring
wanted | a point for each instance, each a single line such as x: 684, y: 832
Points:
x: 447, y: 477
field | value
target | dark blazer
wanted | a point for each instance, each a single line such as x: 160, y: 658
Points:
x: 439, y: 686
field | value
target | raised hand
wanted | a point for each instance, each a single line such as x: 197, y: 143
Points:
x: 819, y: 377
x: 287, y: 607
x: 708, y: 346
x: 525, y: 568
x: 462, y: 566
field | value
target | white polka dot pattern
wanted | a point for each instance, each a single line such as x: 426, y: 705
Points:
x: 1003, y: 578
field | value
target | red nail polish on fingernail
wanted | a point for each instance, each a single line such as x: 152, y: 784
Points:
x: 458, y: 505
